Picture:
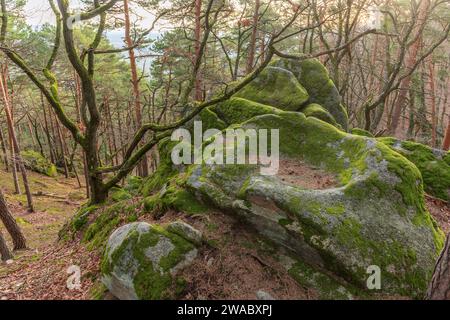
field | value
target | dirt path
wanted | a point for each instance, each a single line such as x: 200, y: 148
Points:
x: 40, y: 272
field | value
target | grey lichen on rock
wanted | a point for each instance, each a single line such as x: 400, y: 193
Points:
x: 142, y: 261
x: 186, y: 231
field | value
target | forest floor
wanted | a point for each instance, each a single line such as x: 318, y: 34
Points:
x: 41, y: 272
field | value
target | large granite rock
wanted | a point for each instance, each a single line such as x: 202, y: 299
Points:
x: 375, y: 216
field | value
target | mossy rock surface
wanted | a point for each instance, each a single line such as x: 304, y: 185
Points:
x: 314, y: 77
x: 239, y: 110
x: 34, y: 161
x: 276, y: 87
x: 142, y: 261
x: 317, y: 111
x: 362, y: 132
x: 325, y: 286
x: 376, y: 216
x: 434, y: 164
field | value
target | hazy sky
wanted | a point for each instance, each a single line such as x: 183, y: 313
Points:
x: 39, y: 12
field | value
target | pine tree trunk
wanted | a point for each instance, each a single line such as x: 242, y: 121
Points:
x: 198, y: 34
x: 4, y: 251
x: 135, y: 82
x: 13, y: 165
x: 15, y: 144
x: 252, y: 46
x: 63, y: 152
x: 11, y: 225
x: 439, y: 288
x: 446, y: 144
x: 4, y: 151
x: 411, y: 61
x: 47, y: 131
x: 433, y: 105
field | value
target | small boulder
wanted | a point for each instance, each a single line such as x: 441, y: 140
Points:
x: 186, y: 231
x: 262, y: 295
x: 34, y: 161
x: 143, y: 261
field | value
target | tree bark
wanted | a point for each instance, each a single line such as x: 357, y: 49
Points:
x: 433, y: 105
x: 439, y: 288
x: 4, y: 151
x: 4, y: 251
x: 446, y: 144
x: 11, y: 225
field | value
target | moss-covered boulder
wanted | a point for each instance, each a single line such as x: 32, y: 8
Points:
x: 314, y: 77
x: 319, y: 112
x: 375, y: 216
x: 362, y: 132
x: 276, y: 87
x: 238, y: 110
x: 34, y: 161
x: 142, y: 261
x: 434, y: 164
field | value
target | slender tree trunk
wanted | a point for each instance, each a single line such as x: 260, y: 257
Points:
x: 410, y: 62
x: 433, y: 105
x: 13, y: 164
x: 198, y: 34
x: 4, y: 151
x: 11, y: 225
x: 439, y: 288
x: 446, y: 143
x: 47, y: 131
x: 15, y: 145
x: 4, y: 251
x: 30, y: 128
x: 135, y: 82
x: 63, y: 152
x: 86, y: 176
x: 252, y: 46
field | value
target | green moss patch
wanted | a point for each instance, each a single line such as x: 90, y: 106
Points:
x: 362, y: 132
x: 36, y: 162
x: 319, y: 112
x: 276, y: 87
x: 314, y: 77
x: 433, y: 165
